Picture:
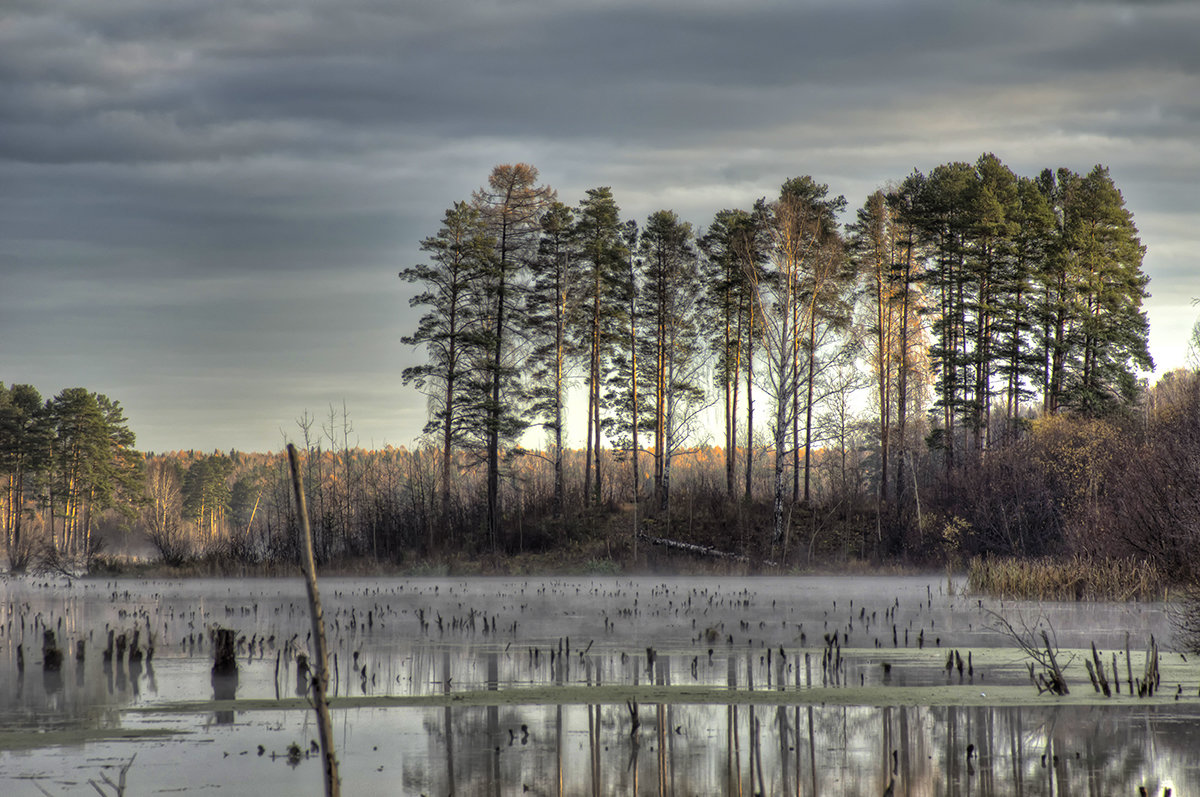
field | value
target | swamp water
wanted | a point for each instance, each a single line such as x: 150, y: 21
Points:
x: 571, y: 686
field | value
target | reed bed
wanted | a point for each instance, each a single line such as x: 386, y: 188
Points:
x: 1077, y: 578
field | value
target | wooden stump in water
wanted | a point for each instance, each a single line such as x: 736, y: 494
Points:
x: 303, y: 676
x: 224, y: 656
x: 52, y: 655
x: 135, y: 648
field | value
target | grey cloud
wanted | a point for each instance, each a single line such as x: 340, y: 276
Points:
x: 1157, y: 38
x: 188, y: 82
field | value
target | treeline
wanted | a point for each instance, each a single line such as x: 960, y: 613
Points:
x: 1122, y: 485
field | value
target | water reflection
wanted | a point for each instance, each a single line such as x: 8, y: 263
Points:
x: 740, y: 750
x: 224, y: 688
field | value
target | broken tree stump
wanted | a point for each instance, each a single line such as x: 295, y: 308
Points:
x: 52, y: 655
x: 303, y: 677
x: 224, y: 655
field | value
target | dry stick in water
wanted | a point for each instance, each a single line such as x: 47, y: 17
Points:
x: 321, y: 681
x: 1060, y: 683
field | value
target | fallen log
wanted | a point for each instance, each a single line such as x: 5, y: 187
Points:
x: 699, y: 550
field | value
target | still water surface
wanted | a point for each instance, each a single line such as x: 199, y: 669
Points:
x: 816, y: 685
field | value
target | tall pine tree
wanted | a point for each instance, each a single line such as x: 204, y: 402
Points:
x: 511, y: 205
x: 452, y: 332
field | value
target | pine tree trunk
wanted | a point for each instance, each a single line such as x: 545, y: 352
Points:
x: 731, y: 396
x: 447, y: 452
x: 749, y: 404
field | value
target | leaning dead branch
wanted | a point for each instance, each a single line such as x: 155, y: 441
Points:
x: 1041, y: 646
x: 320, y: 681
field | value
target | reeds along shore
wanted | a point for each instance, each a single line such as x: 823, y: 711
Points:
x: 1077, y: 578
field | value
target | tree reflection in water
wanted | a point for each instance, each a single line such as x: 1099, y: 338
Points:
x: 810, y: 750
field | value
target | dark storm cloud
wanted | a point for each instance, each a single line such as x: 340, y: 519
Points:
x: 181, y: 181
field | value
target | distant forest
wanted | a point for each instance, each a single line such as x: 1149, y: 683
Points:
x: 951, y: 372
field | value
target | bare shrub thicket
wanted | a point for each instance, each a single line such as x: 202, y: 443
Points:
x: 1125, y: 486
x: 1151, y: 503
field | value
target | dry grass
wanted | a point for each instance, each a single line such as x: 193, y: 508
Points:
x: 1077, y: 578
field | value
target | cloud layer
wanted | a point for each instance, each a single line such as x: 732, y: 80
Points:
x: 203, y: 206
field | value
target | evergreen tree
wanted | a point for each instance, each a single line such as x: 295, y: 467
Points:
x: 671, y: 343
x: 553, y: 305
x: 511, y: 205
x: 906, y: 278
x: 943, y: 218
x: 876, y: 250
x: 1109, y: 339
x: 94, y: 464
x: 823, y: 304
x: 624, y: 390
x: 25, y: 438
x: 991, y: 274
x: 730, y: 254
x: 207, y: 494
x: 603, y: 258
x: 1017, y: 353
x: 452, y: 332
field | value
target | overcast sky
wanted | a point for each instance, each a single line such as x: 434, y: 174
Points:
x: 204, y: 205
